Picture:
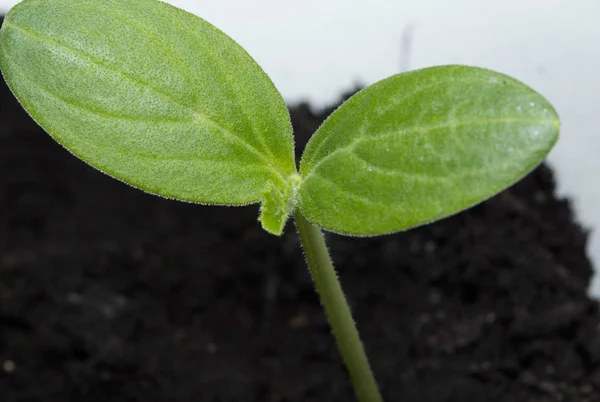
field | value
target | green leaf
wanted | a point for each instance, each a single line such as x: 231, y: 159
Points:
x: 151, y: 95
x: 278, y: 203
x: 420, y: 146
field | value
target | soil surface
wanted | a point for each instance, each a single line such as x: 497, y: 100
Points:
x: 110, y: 294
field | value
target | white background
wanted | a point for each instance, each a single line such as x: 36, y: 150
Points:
x: 315, y: 49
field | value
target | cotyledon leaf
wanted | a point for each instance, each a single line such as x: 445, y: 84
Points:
x: 420, y: 146
x: 153, y: 96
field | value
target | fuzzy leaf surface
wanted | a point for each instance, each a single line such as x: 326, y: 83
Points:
x: 151, y: 95
x: 420, y: 146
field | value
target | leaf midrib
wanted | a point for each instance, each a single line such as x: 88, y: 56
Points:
x: 435, y: 84
x: 229, y: 81
x: 422, y: 130
x: 195, y: 113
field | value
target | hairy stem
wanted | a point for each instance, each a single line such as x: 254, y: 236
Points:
x: 337, y: 310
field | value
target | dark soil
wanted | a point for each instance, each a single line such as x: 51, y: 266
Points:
x: 110, y: 294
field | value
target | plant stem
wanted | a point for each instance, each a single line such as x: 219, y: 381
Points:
x: 337, y: 310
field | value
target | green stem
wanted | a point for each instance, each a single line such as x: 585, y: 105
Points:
x: 337, y: 310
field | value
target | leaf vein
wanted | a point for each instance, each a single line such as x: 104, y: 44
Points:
x: 195, y: 114
x: 425, y: 87
x: 422, y: 130
x: 193, y: 158
x: 157, y: 35
x: 398, y: 172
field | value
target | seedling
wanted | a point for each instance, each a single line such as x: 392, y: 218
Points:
x: 162, y: 100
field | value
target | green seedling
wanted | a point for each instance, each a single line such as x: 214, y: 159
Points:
x: 162, y: 100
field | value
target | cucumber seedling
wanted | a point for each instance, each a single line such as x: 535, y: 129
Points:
x: 164, y: 101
